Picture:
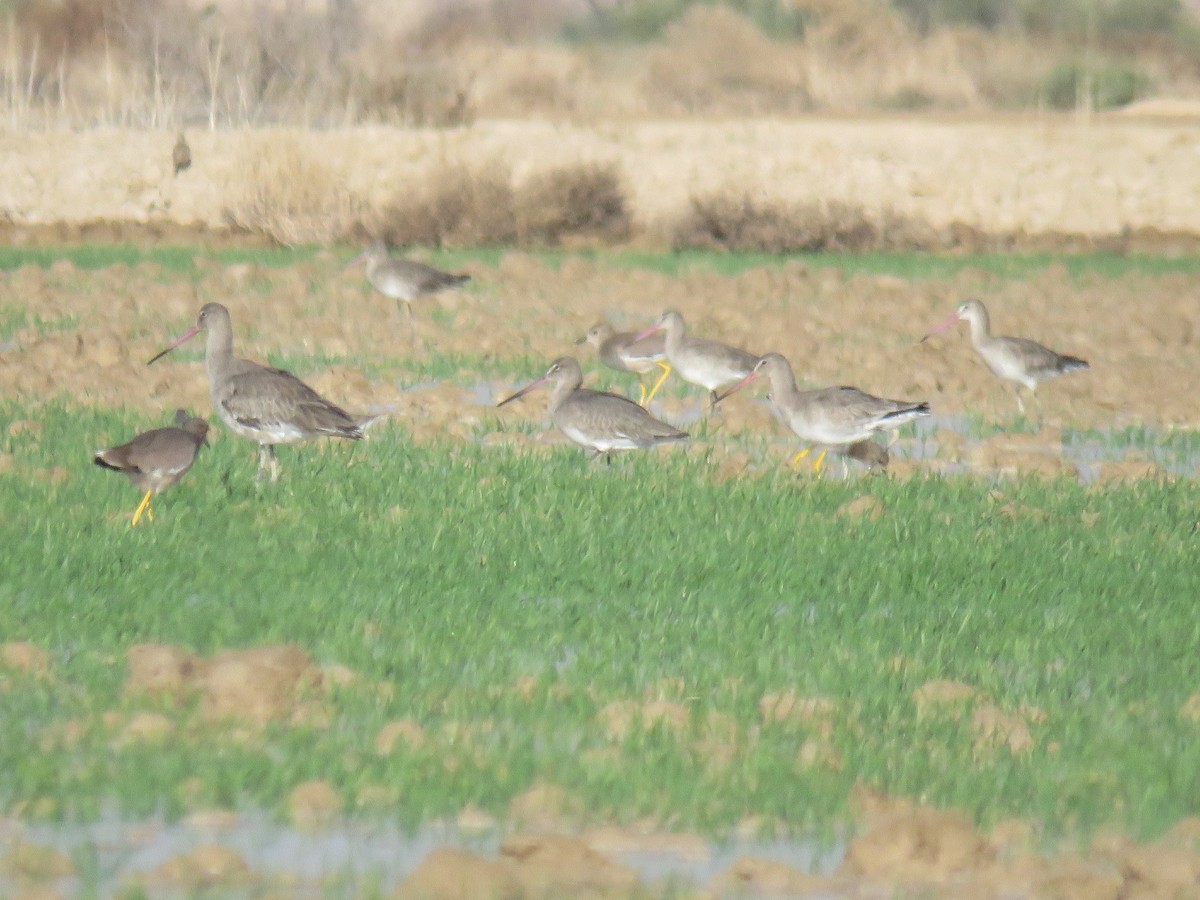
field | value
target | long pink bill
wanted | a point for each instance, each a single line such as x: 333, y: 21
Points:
x: 737, y: 387
x: 186, y: 336
x: 953, y: 320
x: 642, y: 335
x: 523, y: 391
x: 354, y: 262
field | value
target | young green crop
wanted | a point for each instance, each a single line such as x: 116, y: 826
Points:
x: 451, y: 571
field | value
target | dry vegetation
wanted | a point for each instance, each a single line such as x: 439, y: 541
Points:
x: 728, y: 220
x: 292, y: 197
x: 165, y: 63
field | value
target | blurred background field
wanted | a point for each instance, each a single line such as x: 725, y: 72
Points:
x: 328, y: 63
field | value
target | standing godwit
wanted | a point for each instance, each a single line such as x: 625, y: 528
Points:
x: 837, y: 417
x: 404, y: 280
x: 621, y: 351
x: 181, y: 155
x: 598, y: 420
x: 1021, y: 361
x: 710, y: 364
x: 267, y: 405
x: 158, y: 459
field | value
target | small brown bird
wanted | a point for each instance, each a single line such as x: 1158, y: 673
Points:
x: 181, y: 156
x: 158, y: 459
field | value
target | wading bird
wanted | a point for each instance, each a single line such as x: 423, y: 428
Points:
x: 269, y: 406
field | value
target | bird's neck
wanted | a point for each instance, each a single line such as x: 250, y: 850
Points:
x: 560, y: 392
x: 981, y: 329
x: 218, y: 350
x: 673, y: 339
x: 783, y: 387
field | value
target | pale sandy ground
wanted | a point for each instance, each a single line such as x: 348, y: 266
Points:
x: 1025, y: 174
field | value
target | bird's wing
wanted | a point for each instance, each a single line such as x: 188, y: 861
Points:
x: 266, y: 398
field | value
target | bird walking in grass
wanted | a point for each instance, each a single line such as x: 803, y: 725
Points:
x: 266, y: 405
x: 837, y: 418
x: 597, y: 420
x: 158, y: 459
x: 1017, y: 360
x: 404, y: 280
x: 622, y: 352
x: 710, y: 364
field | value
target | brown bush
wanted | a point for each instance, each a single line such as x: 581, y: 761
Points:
x: 732, y: 221
x: 585, y: 200
x: 714, y: 59
x: 458, y: 205
x: 291, y: 196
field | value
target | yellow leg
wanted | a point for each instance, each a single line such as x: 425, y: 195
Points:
x: 799, y: 456
x: 641, y: 394
x: 654, y: 390
x: 143, y: 507
x: 820, y: 459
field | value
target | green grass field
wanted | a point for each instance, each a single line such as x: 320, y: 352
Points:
x: 450, y: 571
x: 507, y: 599
x: 909, y: 265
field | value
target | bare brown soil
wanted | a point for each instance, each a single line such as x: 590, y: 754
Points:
x: 1138, y: 332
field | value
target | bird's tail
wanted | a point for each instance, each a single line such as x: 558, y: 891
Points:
x: 100, y: 458
x: 905, y: 414
x: 1071, y: 363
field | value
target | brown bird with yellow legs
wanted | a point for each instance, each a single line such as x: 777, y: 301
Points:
x: 837, y: 418
x: 269, y: 406
x: 158, y: 459
x: 600, y: 421
x: 623, y: 352
x: 1017, y: 360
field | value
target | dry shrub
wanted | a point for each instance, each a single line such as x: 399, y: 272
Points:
x: 714, y: 59
x: 292, y: 196
x: 420, y: 91
x: 586, y: 200
x: 732, y: 221
x: 457, y: 206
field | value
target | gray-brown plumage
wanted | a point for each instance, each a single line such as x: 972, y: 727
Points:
x: 835, y: 417
x: 181, y: 156
x: 598, y: 420
x: 1017, y: 360
x: 871, y: 454
x: 404, y: 280
x: 158, y: 459
x: 710, y: 364
x: 624, y: 353
x: 269, y: 406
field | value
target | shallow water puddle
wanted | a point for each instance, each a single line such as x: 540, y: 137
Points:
x: 116, y: 851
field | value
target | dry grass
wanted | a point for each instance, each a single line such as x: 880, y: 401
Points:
x: 169, y: 63
x: 460, y: 205
x: 584, y: 201
x: 731, y: 220
x: 715, y: 60
x: 292, y: 196
x: 457, y: 206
